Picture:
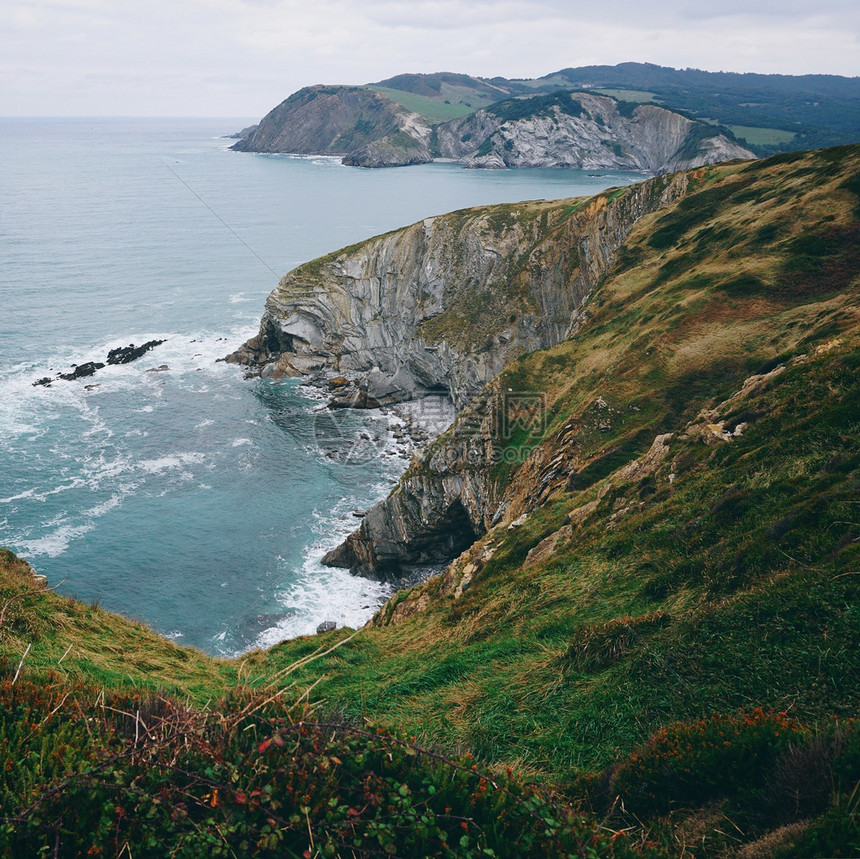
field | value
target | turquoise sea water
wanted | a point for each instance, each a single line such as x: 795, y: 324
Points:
x: 190, y: 498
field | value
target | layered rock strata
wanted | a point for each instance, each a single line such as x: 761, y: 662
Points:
x: 444, y: 305
x: 577, y: 130
x: 584, y: 131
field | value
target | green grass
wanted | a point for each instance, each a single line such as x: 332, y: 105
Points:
x: 746, y: 537
x: 758, y: 136
x: 638, y: 95
x: 86, y: 643
x: 631, y: 604
x: 711, y: 549
x: 762, y: 136
x: 436, y: 110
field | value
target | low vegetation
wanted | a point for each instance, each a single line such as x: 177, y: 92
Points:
x: 434, y: 109
x: 658, y: 658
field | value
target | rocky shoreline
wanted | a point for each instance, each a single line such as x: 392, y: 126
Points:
x: 437, y: 309
x: 575, y: 130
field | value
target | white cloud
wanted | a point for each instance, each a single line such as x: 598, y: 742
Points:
x: 241, y: 57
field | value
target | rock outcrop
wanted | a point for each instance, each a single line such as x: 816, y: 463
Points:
x: 583, y: 131
x: 357, y: 123
x: 120, y: 355
x: 561, y: 129
x: 445, y: 303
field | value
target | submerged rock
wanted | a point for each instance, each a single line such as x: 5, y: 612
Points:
x: 127, y: 354
x: 120, y: 355
x: 81, y: 371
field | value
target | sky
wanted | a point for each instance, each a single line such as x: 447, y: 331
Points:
x: 240, y: 58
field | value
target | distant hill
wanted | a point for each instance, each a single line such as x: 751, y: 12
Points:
x: 333, y: 120
x: 583, y: 130
x: 765, y: 114
x: 816, y: 110
x: 381, y: 126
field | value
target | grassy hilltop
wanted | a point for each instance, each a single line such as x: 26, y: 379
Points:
x: 665, y: 641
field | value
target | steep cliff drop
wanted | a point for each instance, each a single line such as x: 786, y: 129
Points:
x: 444, y: 305
x: 583, y: 131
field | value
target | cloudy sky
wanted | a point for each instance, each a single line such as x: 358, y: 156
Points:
x: 240, y: 57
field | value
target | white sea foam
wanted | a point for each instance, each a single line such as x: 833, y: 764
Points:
x: 316, y: 593
x: 37, y: 495
x: 57, y: 541
x: 169, y: 462
x: 28, y: 411
x: 27, y: 493
x: 106, y: 506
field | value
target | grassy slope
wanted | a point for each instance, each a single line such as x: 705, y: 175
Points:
x: 453, y: 102
x: 637, y: 95
x: 88, y: 644
x: 723, y: 579
x: 732, y: 585
x: 453, y: 105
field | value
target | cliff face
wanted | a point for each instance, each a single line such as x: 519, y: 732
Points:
x: 583, y: 131
x: 700, y: 308
x: 447, y: 302
x: 579, y: 130
x: 338, y: 120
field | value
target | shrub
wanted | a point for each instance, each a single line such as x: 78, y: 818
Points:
x: 689, y: 763
x: 85, y: 773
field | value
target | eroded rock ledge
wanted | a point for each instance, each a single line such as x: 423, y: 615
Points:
x: 444, y: 305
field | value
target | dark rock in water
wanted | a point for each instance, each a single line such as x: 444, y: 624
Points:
x: 353, y: 398
x: 327, y: 626
x: 120, y: 355
x: 161, y: 368
x: 81, y: 371
x: 127, y: 354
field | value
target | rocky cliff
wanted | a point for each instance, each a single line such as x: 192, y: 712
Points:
x: 445, y: 303
x: 580, y: 130
x: 701, y: 307
x: 583, y: 131
x: 341, y: 120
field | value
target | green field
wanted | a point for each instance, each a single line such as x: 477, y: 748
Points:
x: 763, y: 136
x: 437, y: 111
x: 638, y: 95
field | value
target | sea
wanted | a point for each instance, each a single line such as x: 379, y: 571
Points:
x: 173, y: 489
